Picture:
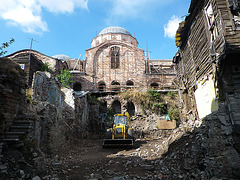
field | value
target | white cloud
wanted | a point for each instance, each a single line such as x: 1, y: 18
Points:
x: 27, y: 14
x: 171, y: 27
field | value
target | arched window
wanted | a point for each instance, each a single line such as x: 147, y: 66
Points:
x: 77, y: 87
x: 101, y: 86
x: 154, y: 85
x: 115, y: 86
x: 129, y: 84
x: 115, y: 57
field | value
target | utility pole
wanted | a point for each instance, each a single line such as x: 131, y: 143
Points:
x: 30, y: 54
x: 31, y: 47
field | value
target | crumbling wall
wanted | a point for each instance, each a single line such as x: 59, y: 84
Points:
x: 47, y: 105
x: 12, y: 92
x: 62, y: 114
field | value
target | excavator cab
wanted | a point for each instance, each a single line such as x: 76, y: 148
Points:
x: 121, y: 133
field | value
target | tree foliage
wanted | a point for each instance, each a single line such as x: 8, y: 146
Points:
x: 65, y: 78
x: 4, y: 46
x: 45, y: 67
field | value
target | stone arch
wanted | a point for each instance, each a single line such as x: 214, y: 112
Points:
x: 115, y: 86
x: 101, y: 86
x: 77, y: 86
x: 116, y: 107
x: 129, y: 84
x: 154, y: 85
x: 130, y: 108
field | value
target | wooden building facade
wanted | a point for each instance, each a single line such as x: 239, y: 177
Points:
x: 207, y: 62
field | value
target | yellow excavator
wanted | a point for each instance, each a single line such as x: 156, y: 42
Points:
x: 121, y: 133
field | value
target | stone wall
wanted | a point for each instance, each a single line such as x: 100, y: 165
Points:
x: 62, y: 115
x: 12, y: 93
x: 216, y: 136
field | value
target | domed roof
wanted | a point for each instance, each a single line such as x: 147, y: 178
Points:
x: 62, y: 57
x: 114, y: 30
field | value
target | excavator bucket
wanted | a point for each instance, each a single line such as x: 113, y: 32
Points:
x: 117, y: 142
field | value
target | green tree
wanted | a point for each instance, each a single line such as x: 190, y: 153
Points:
x: 4, y: 46
x: 45, y: 67
x: 65, y: 78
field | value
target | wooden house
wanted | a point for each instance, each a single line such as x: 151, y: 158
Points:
x: 208, y: 59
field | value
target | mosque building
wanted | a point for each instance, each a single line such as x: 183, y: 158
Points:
x: 114, y: 62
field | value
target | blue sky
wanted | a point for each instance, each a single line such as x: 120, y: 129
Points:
x: 68, y: 26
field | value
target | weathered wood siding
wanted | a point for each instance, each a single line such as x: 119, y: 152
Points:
x: 232, y: 36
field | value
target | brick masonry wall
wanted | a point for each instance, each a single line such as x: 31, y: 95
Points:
x: 12, y: 93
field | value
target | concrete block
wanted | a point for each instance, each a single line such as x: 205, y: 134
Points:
x: 164, y: 124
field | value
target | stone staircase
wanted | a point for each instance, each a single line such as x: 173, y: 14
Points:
x: 21, y: 126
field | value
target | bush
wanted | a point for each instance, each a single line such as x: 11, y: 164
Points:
x: 65, y: 78
x: 171, y: 95
x: 154, y: 93
x: 173, y: 113
x: 153, y: 101
x: 159, y: 107
x: 45, y: 67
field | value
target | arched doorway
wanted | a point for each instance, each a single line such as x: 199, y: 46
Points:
x: 115, y: 86
x: 129, y: 84
x: 101, y: 86
x: 131, y: 109
x: 77, y: 87
x: 116, y: 107
x: 154, y: 85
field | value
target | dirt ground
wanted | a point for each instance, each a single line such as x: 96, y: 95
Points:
x: 86, y: 159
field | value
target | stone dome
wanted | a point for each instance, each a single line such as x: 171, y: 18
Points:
x: 62, y: 57
x: 114, y: 30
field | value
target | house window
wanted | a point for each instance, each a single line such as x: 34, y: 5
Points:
x: 234, y: 6
x: 115, y: 56
x: 211, y: 22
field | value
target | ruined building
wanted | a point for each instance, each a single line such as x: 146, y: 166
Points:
x: 113, y: 63
x: 208, y: 72
x: 207, y: 62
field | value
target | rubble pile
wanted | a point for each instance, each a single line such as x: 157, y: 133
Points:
x: 146, y: 126
x: 204, y: 149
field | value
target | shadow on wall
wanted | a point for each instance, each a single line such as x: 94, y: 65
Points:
x: 116, y: 107
x: 12, y: 92
x: 131, y: 109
